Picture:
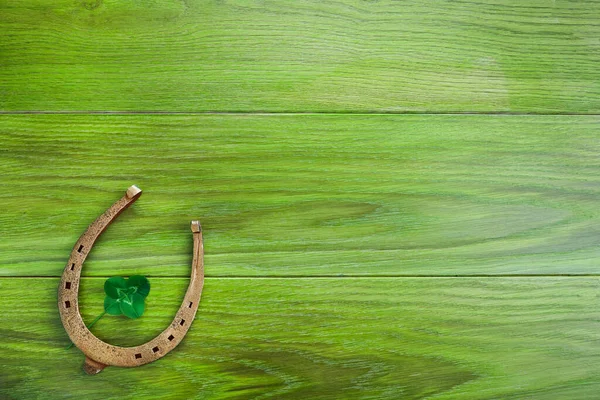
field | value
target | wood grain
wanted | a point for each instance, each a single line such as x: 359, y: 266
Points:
x: 304, y: 195
x: 328, y: 338
x: 342, y: 56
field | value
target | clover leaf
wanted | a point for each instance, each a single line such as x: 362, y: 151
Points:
x: 124, y: 297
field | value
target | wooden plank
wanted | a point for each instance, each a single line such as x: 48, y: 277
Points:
x: 304, y: 195
x: 348, y: 55
x: 440, y: 338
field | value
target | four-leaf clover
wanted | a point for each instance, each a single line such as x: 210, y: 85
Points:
x: 126, y: 297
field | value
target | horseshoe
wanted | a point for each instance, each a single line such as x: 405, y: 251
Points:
x: 99, y: 354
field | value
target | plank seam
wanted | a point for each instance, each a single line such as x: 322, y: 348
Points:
x: 275, y: 113
x: 326, y: 276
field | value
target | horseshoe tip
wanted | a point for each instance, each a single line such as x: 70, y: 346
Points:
x: 196, y: 227
x: 133, y: 192
x: 92, y: 367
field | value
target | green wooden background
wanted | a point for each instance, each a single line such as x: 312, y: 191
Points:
x: 399, y: 199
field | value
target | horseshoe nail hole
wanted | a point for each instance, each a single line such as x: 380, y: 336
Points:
x: 72, y: 266
x: 182, y: 322
x: 155, y: 349
x: 138, y: 355
x: 80, y: 248
x: 67, y: 304
x: 171, y: 337
x: 190, y: 305
x: 67, y: 285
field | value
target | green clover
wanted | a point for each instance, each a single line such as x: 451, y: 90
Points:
x: 124, y: 297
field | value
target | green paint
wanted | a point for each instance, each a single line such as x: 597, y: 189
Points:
x: 386, y: 338
x: 304, y: 195
x: 347, y: 55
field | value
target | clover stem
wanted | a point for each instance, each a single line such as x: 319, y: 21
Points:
x: 96, y: 320
x: 90, y: 325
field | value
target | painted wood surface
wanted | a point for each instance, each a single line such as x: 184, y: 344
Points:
x: 321, y: 338
x: 304, y: 195
x: 347, y: 55
x: 350, y: 253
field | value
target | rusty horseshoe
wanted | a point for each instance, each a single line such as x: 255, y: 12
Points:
x: 99, y: 354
